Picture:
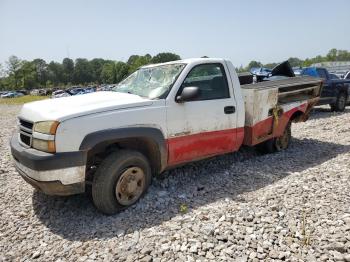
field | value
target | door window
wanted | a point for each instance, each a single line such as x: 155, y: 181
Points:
x: 322, y: 73
x: 211, y: 81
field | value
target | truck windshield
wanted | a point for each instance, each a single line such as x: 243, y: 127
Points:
x: 151, y: 82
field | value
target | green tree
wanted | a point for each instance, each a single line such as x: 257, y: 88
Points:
x: 294, y: 61
x: 108, y: 73
x: 2, y: 77
x: 29, y: 75
x: 55, y: 73
x: 13, y: 69
x: 343, y: 55
x: 132, y: 59
x: 332, y: 54
x: 254, y: 64
x: 165, y: 57
x: 122, y: 70
x: 36, y: 73
x: 270, y: 65
x: 114, y: 72
x: 96, y: 66
x: 307, y: 62
x: 41, y: 72
x: 2, y: 71
x: 136, y: 61
x: 240, y: 69
x: 82, y: 71
x: 68, y: 70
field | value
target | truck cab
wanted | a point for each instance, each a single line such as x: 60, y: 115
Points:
x: 335, y: 92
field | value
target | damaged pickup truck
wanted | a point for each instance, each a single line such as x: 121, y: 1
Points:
x: 161, y: 116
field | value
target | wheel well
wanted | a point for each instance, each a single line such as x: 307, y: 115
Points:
x: 148, y: 147
x: 297, y: 116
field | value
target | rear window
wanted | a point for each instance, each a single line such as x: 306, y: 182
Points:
x: 322, y: 73
x: 309, y: 72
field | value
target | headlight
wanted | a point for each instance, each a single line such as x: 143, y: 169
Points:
x: 44, y: 145
x: 46, y: 127
x: 44, y: 136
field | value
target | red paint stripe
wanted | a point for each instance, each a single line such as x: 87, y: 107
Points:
x: 265, y: 129
x: 197, y: 146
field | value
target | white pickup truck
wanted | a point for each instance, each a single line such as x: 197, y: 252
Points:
x: 161, y: 116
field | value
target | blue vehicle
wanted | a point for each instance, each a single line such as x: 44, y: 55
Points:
x: 279, y: 72
x: 335, y: 92
x: 11, y: 94
x: 260, y: 72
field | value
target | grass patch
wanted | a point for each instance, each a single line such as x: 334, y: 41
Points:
x: 183, y: 208
x: 21, y: 100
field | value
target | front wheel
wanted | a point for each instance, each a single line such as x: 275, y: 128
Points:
x: 120, y: 181
x: 278, y: 143
x: 340, y: 103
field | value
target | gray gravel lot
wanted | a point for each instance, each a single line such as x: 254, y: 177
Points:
x: 289, y: 206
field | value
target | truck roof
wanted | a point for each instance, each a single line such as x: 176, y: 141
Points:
x: 188, y: 61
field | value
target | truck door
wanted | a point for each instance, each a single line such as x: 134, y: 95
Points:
x: 205, y: 126
x: 327, y: 91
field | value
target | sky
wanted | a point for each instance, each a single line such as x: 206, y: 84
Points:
x: 262, y: 30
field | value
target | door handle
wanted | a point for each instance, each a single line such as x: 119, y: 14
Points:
x: 229, y: 109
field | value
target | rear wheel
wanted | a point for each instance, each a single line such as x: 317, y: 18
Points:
x: 340, y: 103
x: 278, y: 143
x: 120, y: 181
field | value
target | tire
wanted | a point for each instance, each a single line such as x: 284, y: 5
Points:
x: 120, y: 181
x: 340, y: 103
x: 278, y: 143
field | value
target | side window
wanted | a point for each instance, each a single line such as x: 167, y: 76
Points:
x: 211, y: 81
x: 322, y: 73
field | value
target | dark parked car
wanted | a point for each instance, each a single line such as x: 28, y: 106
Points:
x: 335, y: 92
x: 347, y: 75
x: 260, y: 72
x: 89, y: 90
x: 334, y: 76
x: 76, y: 91
x: 23, y: 91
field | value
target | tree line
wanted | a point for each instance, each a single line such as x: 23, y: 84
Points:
x: 22, y: 74
x: 333, y: 55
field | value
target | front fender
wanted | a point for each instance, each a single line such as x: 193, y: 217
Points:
x: 111, y: 136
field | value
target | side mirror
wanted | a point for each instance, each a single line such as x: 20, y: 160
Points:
x: 188, y: 94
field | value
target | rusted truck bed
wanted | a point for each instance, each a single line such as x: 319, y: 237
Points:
x: 270, y: 101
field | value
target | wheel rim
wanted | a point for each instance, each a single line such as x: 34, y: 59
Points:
x: 282, y: 142
x: 130, y: 186
x: 341, y: 101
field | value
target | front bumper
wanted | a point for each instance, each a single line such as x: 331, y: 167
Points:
x: 54, y: 187
x: 54, y: 174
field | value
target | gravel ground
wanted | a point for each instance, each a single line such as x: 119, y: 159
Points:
x: 289, y: 206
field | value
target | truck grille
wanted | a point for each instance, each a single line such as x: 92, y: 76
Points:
x: 26, y: 131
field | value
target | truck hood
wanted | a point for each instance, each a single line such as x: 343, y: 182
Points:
x: 64, y: 108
